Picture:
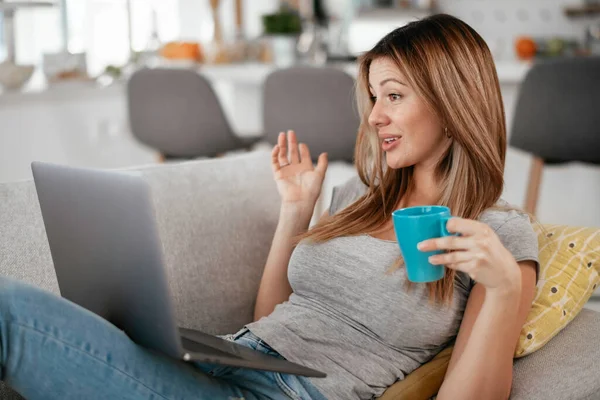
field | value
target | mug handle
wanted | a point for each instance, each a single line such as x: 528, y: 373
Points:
x: 444, y: 220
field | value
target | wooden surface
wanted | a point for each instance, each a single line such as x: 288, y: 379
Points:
x: 533, y: 187
x: 239, y: 16
x: 583, y: 10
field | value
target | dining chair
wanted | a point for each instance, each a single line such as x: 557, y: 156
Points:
x: 557, y: 117
x: 316, y: 102
x: 177, y: 112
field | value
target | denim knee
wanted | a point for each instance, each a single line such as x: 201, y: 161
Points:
x: 7, y: 291
x: 12, y: 290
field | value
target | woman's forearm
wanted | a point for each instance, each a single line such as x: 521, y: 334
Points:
x: 484, y: 369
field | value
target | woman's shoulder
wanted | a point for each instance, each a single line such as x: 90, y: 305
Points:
x: 514, y: 228
x: 346, y: 193
x: 502, y: 213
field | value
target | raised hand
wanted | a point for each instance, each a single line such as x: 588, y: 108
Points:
x: 298, y: 181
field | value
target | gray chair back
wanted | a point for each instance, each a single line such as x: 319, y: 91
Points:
x: 316, y: 102
x: 177, y: 112
x: 557, y: 117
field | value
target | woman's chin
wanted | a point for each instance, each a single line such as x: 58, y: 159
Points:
x: 396, y: 164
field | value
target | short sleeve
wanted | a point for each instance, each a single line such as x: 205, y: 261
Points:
x: 517, y: 235
x: 345, y: 194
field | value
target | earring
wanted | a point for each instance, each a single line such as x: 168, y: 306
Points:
x: 446, y: 132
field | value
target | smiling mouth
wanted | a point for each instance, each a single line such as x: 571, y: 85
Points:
x: 390, y: 140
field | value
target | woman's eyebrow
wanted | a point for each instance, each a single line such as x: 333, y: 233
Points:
x: 383, y: 82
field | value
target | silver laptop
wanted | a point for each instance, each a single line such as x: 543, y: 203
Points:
x: 108, y: 258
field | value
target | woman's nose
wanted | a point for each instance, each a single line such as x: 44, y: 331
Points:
x: 378, y: 118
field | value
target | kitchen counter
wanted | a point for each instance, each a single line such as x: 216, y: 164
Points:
x: 508, y: 72
x: 39, y: 90
x: 251, y: 74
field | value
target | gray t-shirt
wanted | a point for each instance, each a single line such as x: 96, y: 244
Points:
x: 351, y: 318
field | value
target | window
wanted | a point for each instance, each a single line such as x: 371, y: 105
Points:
x: 100, y: 28
x: 37, y: 31
x: 96, y: 27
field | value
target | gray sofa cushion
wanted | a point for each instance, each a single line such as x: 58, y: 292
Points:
x: 24, y: 251
x: 567, y: 367
x: 216, y: 220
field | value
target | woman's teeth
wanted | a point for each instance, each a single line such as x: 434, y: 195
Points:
x: 390, y: 140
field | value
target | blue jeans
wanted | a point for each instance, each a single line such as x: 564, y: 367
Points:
x: 51, y: 348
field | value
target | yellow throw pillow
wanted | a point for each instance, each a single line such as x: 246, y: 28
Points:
x: 569, y: 273
x: 424, y: 382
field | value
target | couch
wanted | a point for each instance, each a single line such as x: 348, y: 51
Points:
x: 216, y: 220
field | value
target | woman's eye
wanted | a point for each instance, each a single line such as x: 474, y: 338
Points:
x: 394, y: 97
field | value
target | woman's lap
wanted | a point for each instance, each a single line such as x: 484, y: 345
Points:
x: 296, y: 387
x: 51, y: 348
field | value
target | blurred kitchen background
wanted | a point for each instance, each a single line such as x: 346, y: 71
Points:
x: 67, y: 64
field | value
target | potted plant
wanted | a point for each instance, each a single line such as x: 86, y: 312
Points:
x: 282, y: 29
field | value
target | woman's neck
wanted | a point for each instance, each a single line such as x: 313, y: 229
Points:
x: 424, y: 189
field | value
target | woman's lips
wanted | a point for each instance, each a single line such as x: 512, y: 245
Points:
x: 387, y: 146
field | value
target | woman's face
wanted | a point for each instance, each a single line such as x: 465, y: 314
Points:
x: 417, y: 136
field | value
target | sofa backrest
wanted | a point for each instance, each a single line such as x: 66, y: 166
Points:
x: 216, y: 221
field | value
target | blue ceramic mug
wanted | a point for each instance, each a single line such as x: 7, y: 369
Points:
x: 413, y: 225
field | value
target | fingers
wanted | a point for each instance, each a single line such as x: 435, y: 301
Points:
x: 453, y: 257
x: 464, y: 261
x: 456, y: 260
x: 447, y: 243
x: 322, y: 164
x: 288, y: 148
x: 275, y: 159
x: 305, y: 154
x: 283, y: 150
x: 466, y: 227
x: 293, y: 145
x: 298, y: 153
x: 468, y: 267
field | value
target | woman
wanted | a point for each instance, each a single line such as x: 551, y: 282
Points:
x: 432, y: 132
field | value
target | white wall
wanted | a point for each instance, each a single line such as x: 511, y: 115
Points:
x: 500, y: 22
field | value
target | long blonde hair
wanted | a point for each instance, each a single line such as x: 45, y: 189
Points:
x: 451, y: 68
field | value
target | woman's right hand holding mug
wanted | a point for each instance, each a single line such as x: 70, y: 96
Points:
x: 298, y: 180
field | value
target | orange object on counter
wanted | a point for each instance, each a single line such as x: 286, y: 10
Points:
x: 525, y: 47
x: 182, y: 51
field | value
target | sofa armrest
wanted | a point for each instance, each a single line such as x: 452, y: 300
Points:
x: 566, y: 368
x: 422, y: 383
